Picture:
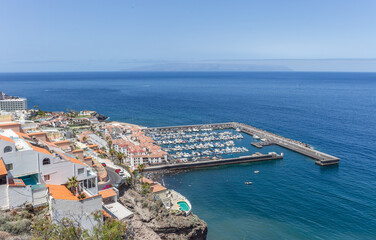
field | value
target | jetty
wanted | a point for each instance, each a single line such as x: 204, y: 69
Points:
x: 210, y: 163
x: 268, y: 138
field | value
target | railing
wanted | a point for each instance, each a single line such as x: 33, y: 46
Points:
x: 38, y: 186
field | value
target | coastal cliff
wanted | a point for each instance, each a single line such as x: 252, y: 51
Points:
x: 152, y: 220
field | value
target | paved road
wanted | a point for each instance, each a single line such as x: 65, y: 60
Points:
x: 114, y: 178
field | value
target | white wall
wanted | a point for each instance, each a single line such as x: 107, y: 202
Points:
x: 59, y: 172
x: 24, y: 162
x: 18, y: 196
x: 3, y: 144
x: 79, y: 211
x: 4, y: 196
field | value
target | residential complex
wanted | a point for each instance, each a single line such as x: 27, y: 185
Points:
x: 37, y: 171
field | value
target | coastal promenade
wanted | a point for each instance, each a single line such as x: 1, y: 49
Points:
x: 268, y: 138
x: 210, y: 163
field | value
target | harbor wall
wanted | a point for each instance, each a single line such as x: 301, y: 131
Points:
x: 211, y: 163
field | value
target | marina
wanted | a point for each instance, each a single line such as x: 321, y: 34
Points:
x: 215, y: 141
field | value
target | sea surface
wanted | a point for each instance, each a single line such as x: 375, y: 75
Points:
x: 291, y: 198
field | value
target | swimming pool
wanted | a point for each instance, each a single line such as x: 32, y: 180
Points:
x: 29, y: 180
x: 184, y: 206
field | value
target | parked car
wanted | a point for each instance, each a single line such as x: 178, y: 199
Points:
x: 104, y: 165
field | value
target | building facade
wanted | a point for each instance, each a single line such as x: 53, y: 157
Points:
x: 11, y: 105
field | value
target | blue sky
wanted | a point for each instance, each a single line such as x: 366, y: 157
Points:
x: 125, y: 35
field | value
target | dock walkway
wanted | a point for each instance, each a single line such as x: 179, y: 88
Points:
x: 210, y: 163
x: 320, y: 158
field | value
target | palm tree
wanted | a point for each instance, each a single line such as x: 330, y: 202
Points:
x: 112, y: 153
x: 141, y: 168
x: 84, y: 139
x: 120, y: 156
x: 81, y: 196
x: 73, y: 184
x: 109, y: 144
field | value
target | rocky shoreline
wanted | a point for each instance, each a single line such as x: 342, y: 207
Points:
x: 152, y: 220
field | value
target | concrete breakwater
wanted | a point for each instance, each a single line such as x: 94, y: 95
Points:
x: 210, y: 163
x: 320, y: 158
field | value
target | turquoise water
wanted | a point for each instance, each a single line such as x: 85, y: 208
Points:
x: 184, y: 206
x: 289, y: 199
x: 29, y: 180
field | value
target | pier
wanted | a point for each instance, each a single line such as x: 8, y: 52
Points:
x: 210, y: 163
x: 268, y: 138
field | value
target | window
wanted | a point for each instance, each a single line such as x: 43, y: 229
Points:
x: 46, y: 161
x: 9, y: 166
x: 47, y: 177
x: 80, y: 171
x: 7, y: 149
x: 3, y: 180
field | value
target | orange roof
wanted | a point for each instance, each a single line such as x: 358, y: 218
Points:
x: 158, y: 188
x: 9, y: 124
x: 74, y: 160
x: 22, y: 135
x: 105, y: 214
x: 36, y: 133
x: 38, y: 149
x: 147, y: 180
x: 8, y: 139
x: 64, y: 141
x: 107, y: 193
x: 16, y: 183
x: 92, y: 145
x: 60, y: 192
x: 78, y: 150
x: 3, y: 170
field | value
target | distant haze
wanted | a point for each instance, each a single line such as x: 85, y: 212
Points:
x: 191, y: 35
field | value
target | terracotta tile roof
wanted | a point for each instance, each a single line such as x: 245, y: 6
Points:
x: 107, y: 193
x: 60, y: 142
x: 105, y: 214
x: 16, y: 183
x: 60, y: 192
x: 22, y: 135
x: 3, y: 170
x: 147, y: 180
x: 74, y: 160
x: 9, y: 124
x: 8, y: 139
x: 158, y: 188
x: 41, y: 150
x: 36, y: 133
x: 78, y: 150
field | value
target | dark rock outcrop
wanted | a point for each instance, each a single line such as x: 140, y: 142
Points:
x: 152, y: 220
x: 100, y: 117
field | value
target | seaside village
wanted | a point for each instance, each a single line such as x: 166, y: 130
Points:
x: 74, y: 162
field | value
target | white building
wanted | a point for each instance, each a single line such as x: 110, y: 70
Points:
x: 35, y: 173
x: 63, y: 204
x: 30, y: 167
x: 13, y: 104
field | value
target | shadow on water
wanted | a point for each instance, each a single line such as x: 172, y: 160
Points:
x: 329, y: 169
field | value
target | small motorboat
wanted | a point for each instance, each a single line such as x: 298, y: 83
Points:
x: 248, y: 183
x: 256, y: 137
x: 256, y: 171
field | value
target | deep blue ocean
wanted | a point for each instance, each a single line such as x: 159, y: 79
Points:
x: 290, y: 199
